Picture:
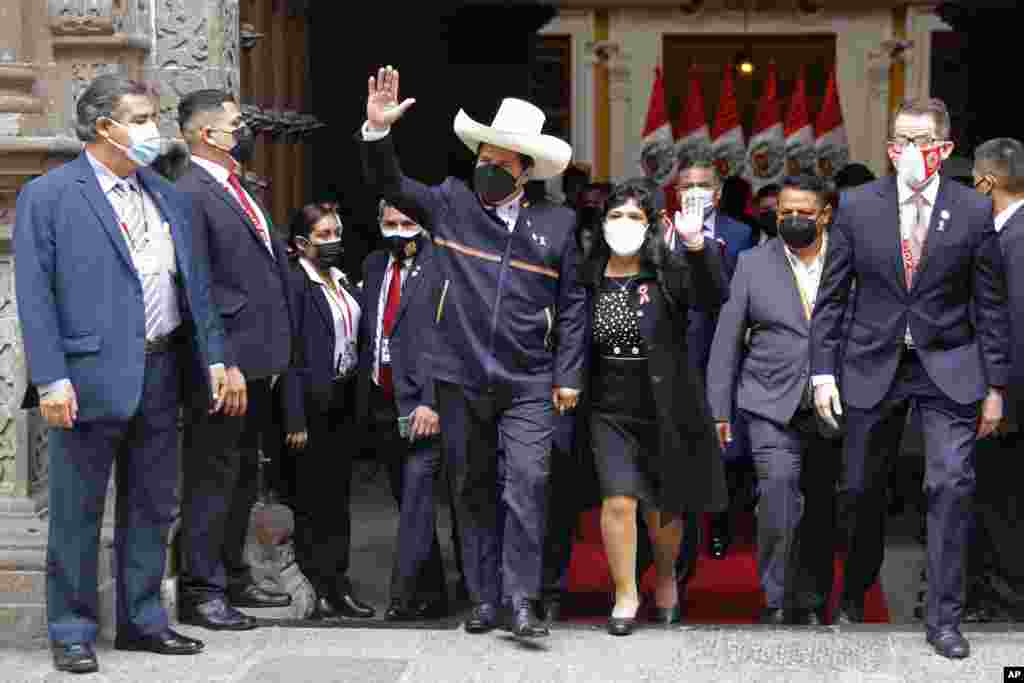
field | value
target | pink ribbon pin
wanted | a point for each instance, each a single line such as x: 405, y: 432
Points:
x: 644, y: 296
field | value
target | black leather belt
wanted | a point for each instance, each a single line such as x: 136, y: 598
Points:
x: 163, y: 343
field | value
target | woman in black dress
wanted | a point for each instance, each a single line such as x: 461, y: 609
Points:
x: 651, y: 437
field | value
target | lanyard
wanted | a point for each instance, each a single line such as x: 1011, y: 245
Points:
x: 804, y: 299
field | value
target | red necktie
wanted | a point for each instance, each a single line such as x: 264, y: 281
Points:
x: 246, y: 205
x: 390, y: 313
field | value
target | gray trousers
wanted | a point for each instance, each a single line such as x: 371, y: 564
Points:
x: 797, y: 471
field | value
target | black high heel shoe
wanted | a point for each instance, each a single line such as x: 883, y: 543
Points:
x: 666, y: 616
x: 623, y: 626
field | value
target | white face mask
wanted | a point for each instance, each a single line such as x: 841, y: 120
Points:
x: 407, y: 233
x: 698, y: 195
x: 913, y: 168
x: 624, y: 235
x: 146, y: 142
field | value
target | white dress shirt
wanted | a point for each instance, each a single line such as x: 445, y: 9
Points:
x: 1006, y: 214
x: 221, y: 174
x: 808, y: 276
x: 345, y: 313
x: 382, y: 303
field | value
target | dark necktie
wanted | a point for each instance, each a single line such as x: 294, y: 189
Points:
x: 390, y: 313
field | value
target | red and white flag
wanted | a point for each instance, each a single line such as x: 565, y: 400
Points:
x: 830, y: 144
x: 692, y: 133
x: 800, y: 156
x: 727, y: 142
x: 766, y: 153
x: 657, y: 152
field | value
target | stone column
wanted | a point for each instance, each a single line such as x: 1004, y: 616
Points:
x: 196, y: 46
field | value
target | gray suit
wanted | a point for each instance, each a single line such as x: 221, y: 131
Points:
x: 769, y: 375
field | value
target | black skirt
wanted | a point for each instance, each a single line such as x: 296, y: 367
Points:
x: 624, y: 432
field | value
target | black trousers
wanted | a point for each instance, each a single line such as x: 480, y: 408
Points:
x: 996, y: 555
x: 220, y: 468
x: 949, y: 431
x: 322, y: 475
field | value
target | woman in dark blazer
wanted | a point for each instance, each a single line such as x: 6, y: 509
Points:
x: 651, y: 438
x: 317, y: 399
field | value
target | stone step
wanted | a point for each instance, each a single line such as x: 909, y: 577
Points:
x: 22, y: 625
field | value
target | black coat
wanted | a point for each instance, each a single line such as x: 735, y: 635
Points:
x: 307, y: 386
x: 690, y: 466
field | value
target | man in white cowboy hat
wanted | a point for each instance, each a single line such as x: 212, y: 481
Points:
x: 510, y: 318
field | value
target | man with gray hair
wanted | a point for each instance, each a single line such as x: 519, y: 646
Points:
x: 106, y: 275
x: 996, y: 550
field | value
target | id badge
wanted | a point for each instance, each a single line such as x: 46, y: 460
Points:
x: 158, y: 255
x: 385, y: 350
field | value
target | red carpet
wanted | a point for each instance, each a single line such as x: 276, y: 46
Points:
x: 723, y: 591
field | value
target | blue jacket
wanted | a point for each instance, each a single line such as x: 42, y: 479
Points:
x: 738, y: 237
x: 510, y: 314
x: 80, y: 298
x: 411, y: 334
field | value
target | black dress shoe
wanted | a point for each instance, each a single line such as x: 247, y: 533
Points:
x: 950, y: 644
x: 524, y: 623
x: 251, y: 595
x: 75, y: 658
x: 167, y: 642
x: 720, y: 537
x: 482, y: 619
x: 808, y: 616
x: 396, y: 611
x: 215, y: 615
x: 621, y: 626
x: 666, y: 616
x: 773, y: 616
x: 551, y: 610
x: 348, y: 606
x: 850, y: 613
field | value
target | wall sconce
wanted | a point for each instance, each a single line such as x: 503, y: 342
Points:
x: 744, y: 64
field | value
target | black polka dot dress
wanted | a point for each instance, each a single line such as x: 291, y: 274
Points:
x: 624, y: 431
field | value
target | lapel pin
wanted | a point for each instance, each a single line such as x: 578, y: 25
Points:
x: 943, y: 217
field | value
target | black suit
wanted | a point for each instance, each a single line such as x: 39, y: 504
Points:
x: 413, y: 468
x: 997, y: 556
x: 956, y: 312
x: 314, y: 401
x: 221, y: 455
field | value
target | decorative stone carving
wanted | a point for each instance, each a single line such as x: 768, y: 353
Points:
x: 39, y: 458
x: 181, y: 36
x: 81, y: 17
x: 276, y: 123
x: 229, y: 45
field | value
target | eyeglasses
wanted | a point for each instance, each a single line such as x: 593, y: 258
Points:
x: 804, y: 213
x: 683, y: 187
x: 901, y: 141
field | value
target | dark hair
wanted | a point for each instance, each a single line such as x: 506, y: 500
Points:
x: 525, y: 159
x: 699, y: 157
x: 736, y: 193
x: 201, y: 102
x: 1002, y: 157
x: 769, y: 190
x: 655, y: 253
x: 932, y: 106
x: 852, y: 175
x: 305, y: 218
x: 811, y: 183
x: 101, y: 99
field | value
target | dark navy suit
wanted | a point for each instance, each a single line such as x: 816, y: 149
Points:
x: 510, y: 319
x: 418, y: 571
x: 956, y: 311
x: 249, y: 289
x: 82, y: 316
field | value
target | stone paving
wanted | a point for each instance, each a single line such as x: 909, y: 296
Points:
x: 572, y: 654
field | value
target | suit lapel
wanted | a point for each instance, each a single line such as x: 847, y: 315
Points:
x: 893, y: 237
x: 221, y: 193
x: 412, y: 282
x: 101, y: 206
x: 944, y: 201
x: 788, y: 276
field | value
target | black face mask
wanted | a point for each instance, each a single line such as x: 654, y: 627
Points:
x: 329, y: 254
x: 769, y: 223
x: 400, y: 246
x: 493, y: 183
x: 798, y: 232
x: 245, y: 144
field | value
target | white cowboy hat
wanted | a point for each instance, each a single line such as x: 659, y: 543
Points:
x: 517, y: 127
